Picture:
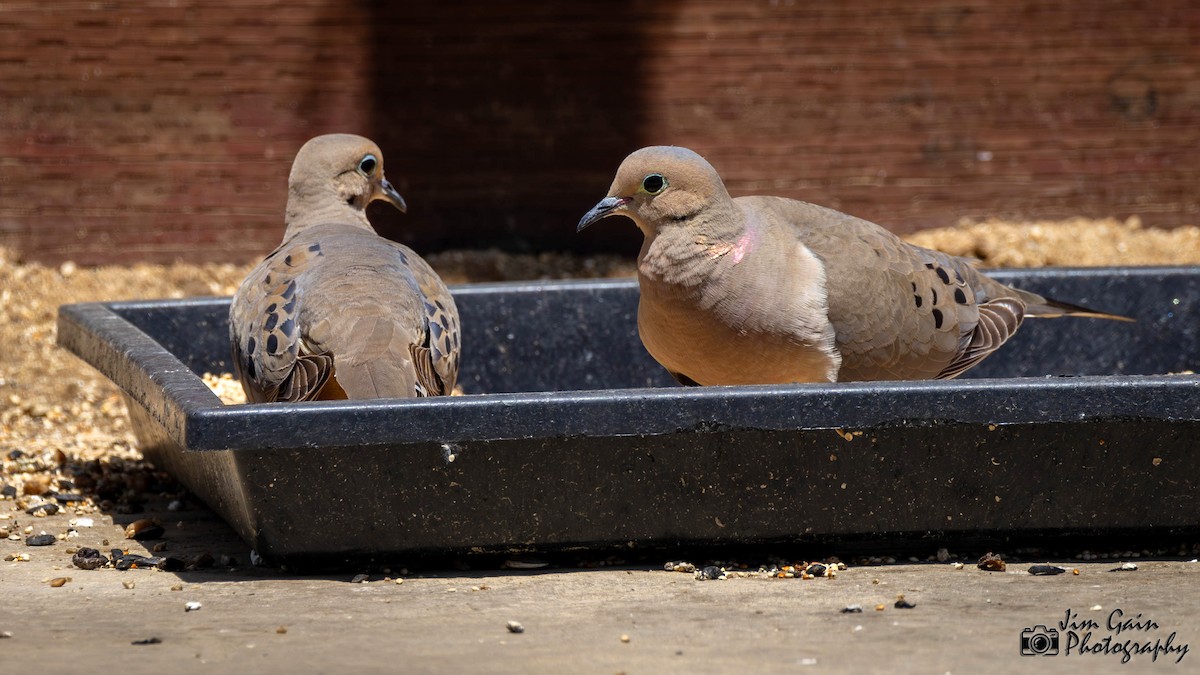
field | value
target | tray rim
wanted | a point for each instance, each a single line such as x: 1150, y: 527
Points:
x: 196, y: 420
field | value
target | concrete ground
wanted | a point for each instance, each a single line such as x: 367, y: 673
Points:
x: 609, y: 620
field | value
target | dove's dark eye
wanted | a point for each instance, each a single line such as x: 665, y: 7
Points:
x: 654, y: 183
x: 367, y: 164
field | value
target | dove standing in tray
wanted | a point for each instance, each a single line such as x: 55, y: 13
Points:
x: 338, y: 311
x: 766, y: 290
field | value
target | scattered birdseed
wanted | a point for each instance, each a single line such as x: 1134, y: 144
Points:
x: 880, y: 607
x: 281, y: 630
x: 129, y: 584
x: 177, y: 587
x: 88, y: 559
x: 1046, y: 570
x: 992, y: 563
x: 225, y: 387
x: 514, y: 627
x: 710, y: 572
x: 124, y: 560
x: 901, y: 603
x: 146, y: 528
x: 147, y: 641
x: 1127, y: 567
x: 957, y: 565
x: 852, y: 609
x: 360, y: 579
x: 192, y: 606
x: 38, y: 485
x: 42, y: 539
x: 43, y: 509
x: 624, y: 638
x: 59, y: 582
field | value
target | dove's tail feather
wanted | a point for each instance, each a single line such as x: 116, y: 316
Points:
x: 1046, y: 308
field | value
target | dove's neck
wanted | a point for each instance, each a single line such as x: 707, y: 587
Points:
x: 306, y: 209
x: 686, y: 254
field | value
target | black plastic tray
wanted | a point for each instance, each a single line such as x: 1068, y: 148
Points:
x: 581, y: 441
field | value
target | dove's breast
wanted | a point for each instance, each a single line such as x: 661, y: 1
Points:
x: 741, y: 326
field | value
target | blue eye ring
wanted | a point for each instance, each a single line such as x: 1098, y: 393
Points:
x: 368, y: 164
x: 654, y: 183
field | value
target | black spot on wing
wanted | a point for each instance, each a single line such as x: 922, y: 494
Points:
x: 269, y: 324
x: 918, y: 300
x: 960, y: 297
x: 251, y: 345
x: 943, y: 275
x: 288, y: 327
x: 937, y: 319
x: 272, y: 343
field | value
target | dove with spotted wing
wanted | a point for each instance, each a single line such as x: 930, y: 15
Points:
x: 337, y: 311
x: 768, y: 290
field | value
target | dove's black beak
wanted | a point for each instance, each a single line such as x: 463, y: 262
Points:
x: 387, y: 193
x: 605, y: 208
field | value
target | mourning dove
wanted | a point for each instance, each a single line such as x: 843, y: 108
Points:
x: 767, y: 290
x: 338, y: 311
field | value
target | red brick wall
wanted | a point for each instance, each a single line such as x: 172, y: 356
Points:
x: 148, y: 131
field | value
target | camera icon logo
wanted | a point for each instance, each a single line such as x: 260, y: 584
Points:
x: 1039, y: 641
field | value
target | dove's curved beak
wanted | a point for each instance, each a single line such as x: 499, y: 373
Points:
x: 605, y: 208
x: 385, y: 192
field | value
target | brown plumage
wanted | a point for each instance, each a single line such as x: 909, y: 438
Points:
x: 764, y: 290
x: 338, y: 311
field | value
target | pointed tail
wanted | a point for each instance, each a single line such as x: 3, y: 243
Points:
x: 1046, y: 308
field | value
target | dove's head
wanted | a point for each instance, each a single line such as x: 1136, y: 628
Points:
x: 335, y: 173
x: 659, y: 185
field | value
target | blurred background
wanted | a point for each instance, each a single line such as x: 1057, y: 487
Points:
x: 163, y: 131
